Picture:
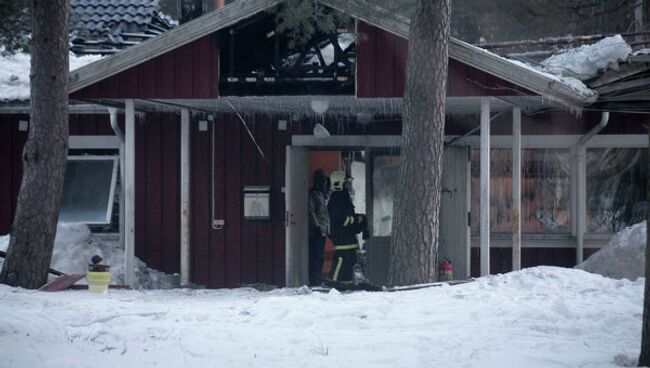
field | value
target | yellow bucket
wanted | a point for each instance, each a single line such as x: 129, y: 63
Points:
x: 98, y: 281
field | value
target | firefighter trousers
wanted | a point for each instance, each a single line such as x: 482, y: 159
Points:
x: 343, y: 263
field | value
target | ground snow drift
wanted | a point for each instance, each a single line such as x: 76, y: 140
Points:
x: 623, y: 257
x: 75, y: 244
x: 538, y: 317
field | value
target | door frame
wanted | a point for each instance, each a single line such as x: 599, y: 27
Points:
x: 373, y: 145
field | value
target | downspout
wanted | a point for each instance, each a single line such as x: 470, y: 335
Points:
x: 120, y: 135
x: 581, y: 181
x: 604, y: 119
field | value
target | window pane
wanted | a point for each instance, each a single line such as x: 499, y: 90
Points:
x: 87, y: 190
x: 385, y: 173
x: 544, y: 193
x: 545, y: 190
x: 500, y: 190
x: 616, y: 188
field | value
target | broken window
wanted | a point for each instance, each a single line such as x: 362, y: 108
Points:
x: 88, y: 189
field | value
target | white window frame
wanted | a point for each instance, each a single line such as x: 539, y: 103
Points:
x: 111, y: 195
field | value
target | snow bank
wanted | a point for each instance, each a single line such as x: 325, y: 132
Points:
x: 14, y: 74
x: 75, y: 244
x: 623, y: 257
x: 584, y: 62
x: 535, y: 318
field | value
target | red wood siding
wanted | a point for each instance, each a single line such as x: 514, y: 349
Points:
x: 381, y: 68
x: 157, y: 191
x: 11, y: 149
x: 244, y: 251
x: 11, y: 167
x: 190, y: 71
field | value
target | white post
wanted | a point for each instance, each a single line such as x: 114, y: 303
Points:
x: 485, y: 186
x: 573, y: 178
x: 120, y: 135
x: 516, y: 189
x: 185, y: 197
x: 581, y: 210
x: 129, y: 194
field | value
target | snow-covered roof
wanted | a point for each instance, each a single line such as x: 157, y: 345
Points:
x: 14, y: 74
x: 587, y: 61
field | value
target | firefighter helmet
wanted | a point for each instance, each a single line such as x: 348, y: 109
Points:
x: 337, y: 179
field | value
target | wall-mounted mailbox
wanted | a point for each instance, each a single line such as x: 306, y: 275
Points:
x: 257, y: 200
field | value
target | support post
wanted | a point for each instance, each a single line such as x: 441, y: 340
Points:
x: 581, y: 210
x: 129, y: 195
x: 120, y: 135
x: 516, y: 189
x: 485, y: 186
x: 185, y: 197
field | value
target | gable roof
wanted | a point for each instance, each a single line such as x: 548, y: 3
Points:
x: 543, y: 84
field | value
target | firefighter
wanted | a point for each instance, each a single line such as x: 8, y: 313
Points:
x: 344, y: 226
x: 319, y: 225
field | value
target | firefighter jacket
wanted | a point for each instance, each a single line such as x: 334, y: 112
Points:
x: 319, y: 219
x: 343, y: 222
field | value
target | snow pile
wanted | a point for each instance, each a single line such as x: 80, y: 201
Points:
x: 571, y: 82
x: 75, y: 244
x: 539, y: 317
x: 14, y: 74
x: 623, y: 257
x: 584, y: 62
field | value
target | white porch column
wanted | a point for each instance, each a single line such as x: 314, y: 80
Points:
x: 185, y: 197
x: 516, y: 188
x: 485, y: 186
x: 581, y: 210
x: 129, y: 194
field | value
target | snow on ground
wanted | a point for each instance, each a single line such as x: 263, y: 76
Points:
x: 75, y: 245
x: 537, y: 317
x: 14, y: 73
x: 623, y: 257
x: 585, y: 61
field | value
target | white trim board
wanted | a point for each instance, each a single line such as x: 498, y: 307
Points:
x: 496, y: 141
x: 93, y: 142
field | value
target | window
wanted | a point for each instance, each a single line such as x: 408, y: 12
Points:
x: 89, y: 189
x: 385, y: 173
x: 545, y: 191
x: 616, y: 188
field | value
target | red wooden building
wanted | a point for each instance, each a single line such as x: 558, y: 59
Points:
x: 217, y: 149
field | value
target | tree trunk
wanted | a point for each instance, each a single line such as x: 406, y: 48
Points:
x: 45, y: 153
x: 644, y: 358
x: 414, y: 243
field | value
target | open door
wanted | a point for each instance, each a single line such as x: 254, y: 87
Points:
x: 454, y: 211
x: 296, y: 201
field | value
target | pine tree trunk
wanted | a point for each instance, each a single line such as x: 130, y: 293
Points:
x: 414, y: 243
x: 45, y: 153
x: 644, y: 358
